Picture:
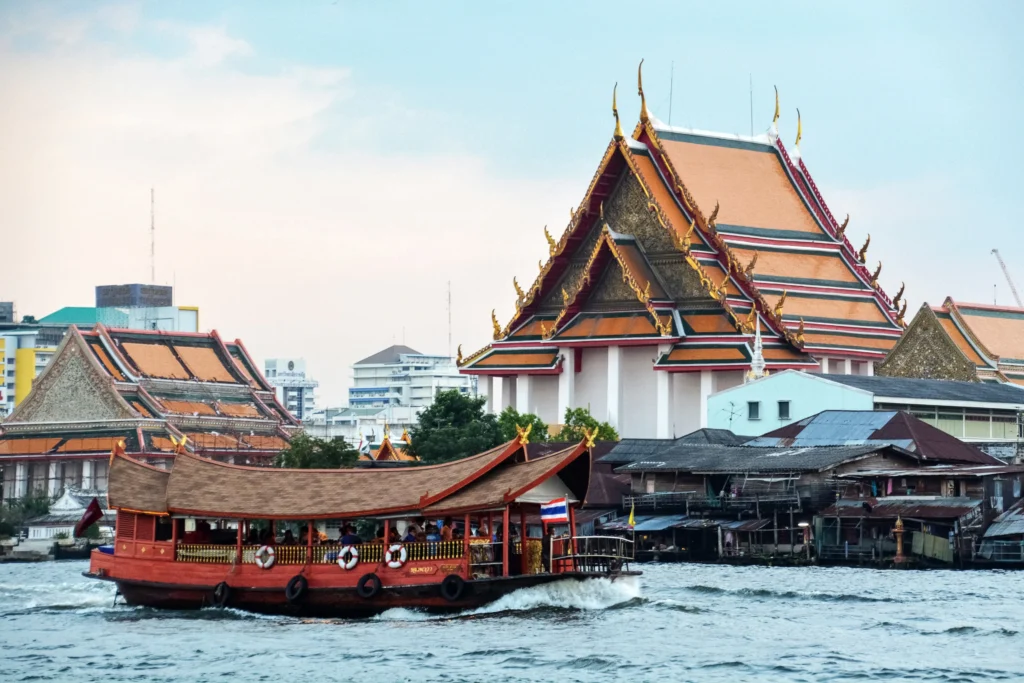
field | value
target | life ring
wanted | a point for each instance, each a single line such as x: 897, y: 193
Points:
x: 296, y: 588
x: 368, y: 586
x: 351, y: 553
x: 264, y: 557
x: 396, y: 556
x: 221, y: 594
x: 452, y: 587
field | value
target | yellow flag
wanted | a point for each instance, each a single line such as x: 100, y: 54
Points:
x: 632, y: 522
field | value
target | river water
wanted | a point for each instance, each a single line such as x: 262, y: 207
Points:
x: 676, y: 623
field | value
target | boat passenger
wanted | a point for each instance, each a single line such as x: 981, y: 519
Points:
x: 432, y: 534
x: 446, y: 529
x: 410, y: 534
x: 393, y: 536
x: 349, y: 537
x: 289, y: 538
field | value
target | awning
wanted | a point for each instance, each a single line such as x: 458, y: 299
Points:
x: 622, y: 523
x: 659, y: 523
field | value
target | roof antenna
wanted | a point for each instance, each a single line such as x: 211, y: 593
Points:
x: 671, y: 82
x: 152, y: 235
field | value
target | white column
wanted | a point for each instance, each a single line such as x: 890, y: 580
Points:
x: 614, y: 385
x: 664, y: 397
x: 705, y: 391
x: 484, y: 390
x: 567, y: 383
x: 824, y: 364
x: 52, y: 483
x: 87, y: 482
x: 848, y: 366
x: 21, y: 480
x: 869, y: 368
x: 523, y: 396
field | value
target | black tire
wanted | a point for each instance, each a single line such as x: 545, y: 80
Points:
x: 368, y: 586
x: 221, y: 595
x: 296, y: 588
x: 453, y: 587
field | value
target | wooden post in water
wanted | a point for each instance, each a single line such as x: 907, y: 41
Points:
x: 465, y: 545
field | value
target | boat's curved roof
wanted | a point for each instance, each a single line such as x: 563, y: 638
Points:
x: 203, y: 487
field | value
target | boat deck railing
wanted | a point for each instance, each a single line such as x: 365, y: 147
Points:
x: 597, y: 553
x: 369, y: 553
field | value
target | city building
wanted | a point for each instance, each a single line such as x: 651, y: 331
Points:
x: 974, y: 342
x: 295, y: 391
x: 23, y: 357
x: 401, y: 377
x: 7, y: 312
x: 134, y: 296
x: 648, y: 301
x: 156, y: 392
x: 360, y: 427
x: 988, y: 415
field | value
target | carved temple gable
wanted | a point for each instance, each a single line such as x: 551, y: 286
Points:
x: 926, y: 351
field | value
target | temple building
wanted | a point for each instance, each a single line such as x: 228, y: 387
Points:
x: 973, y: 342
x: 648, y: 301
x: 158, y: 392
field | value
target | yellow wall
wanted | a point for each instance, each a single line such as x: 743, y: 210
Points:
x: 24, y: 373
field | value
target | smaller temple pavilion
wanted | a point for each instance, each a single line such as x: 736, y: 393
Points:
x: 686, y: 242
x: 157, y: 392
x: 959, y: 341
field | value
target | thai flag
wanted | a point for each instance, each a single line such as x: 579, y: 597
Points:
x: 555, y: 511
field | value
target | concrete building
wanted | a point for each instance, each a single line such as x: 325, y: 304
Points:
x: 23, y: 358
x: 988, y: 415
x: 401, y: 377
x: 134, y: 296
x: 295, y: 390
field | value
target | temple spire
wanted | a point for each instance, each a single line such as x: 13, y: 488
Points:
x: 615, y: 112
x: 757, y: 364
x: 644, y: 114
x: 799, y: 129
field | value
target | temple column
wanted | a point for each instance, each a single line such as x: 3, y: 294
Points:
x: 21, y: 480
x: 87, y: 475
x: 523, y: 396
x: 567, y: 382
x: 485, y: 391
x: 504, y: 392
x: 664, y: 397
x: 869, y: 368
x: 614, y: 385
x: 824, y: 364
x: 848, y: 366
x: 53, y: 480
x: 705, y: 391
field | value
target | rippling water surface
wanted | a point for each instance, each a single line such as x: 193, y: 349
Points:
x: 677, y: 623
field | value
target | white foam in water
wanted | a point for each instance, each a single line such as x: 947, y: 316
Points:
x: 591, y: 594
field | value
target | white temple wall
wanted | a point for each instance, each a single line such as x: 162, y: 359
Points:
x: 638, y: 413
x: 726, y: 379
x: 592, y: 383
x: 544, y: 398
x: 685, y: 402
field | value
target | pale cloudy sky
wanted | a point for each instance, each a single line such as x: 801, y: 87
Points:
x: 323, y: 169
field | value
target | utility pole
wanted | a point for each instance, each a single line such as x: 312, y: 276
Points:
x: 1009, y: 280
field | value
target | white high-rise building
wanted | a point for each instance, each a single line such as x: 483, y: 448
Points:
x: 295, y: 391
x: 400, y: 376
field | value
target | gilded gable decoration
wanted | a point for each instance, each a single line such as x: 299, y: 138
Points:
x: 644, y: 115
x: 862, y: 255
x: 494, y: 323
x: 841, y: 230
x: 748, y: 272
x: 899, y: 296
x: 799, y: 129
x: 777, y: 311
x: 615, y: 112
x: 552, y: 247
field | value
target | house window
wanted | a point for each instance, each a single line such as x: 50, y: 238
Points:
x: 783, y: 410
x: 753, y: 410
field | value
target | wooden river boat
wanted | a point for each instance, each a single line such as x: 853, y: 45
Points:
x: 156, y: 562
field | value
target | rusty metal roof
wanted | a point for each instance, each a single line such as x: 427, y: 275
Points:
x: 891, y: 507
x: 1010, y: 523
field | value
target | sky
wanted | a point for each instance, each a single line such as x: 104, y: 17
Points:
x: 324, y: 170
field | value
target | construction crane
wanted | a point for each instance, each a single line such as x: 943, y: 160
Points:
x: 1009, y: 280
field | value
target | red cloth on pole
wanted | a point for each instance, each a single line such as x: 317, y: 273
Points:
x: 93, y: 513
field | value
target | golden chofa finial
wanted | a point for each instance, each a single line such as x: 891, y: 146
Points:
x: 779, y: 304
x: 497, y: 327
x: 615, y: 112
x: 688, y: 235
x: 902, y: 314
x: 524, y: 433
x: 862, y: 255
x: 644, y: 117
x: 458, y: 357
x: 842, y: 228
x: 589, y: 437
x: 775, y: 119
x: 749, y: 270
x: 519, y: 290
x: 874, y: 275
x: 899, y: 295
x: 800, y: 332
x: 714, y: 215
x: 552, y: 245
x: 799, y: 129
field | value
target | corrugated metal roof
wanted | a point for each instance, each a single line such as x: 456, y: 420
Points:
x: 631, y: 450
x: 922, y: 507
x: 737, y: 459
x: 1010, y: 523
x: 933, y: 389
x: 659, y: 523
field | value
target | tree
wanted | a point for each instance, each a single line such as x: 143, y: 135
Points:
x: 307, y: 452
x: 14, y: 513
x: 510, y: 418
x: 454, y: 427
x: 578, y: 419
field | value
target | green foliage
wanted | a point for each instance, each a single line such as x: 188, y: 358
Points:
x: 93, y: 532
x: 308, y: 452
x: 28, y: 319
x: 60, y: 536
x: 14, y: 513
x: 578, y: 419
x: 454, y: 427
x: 510, y: 417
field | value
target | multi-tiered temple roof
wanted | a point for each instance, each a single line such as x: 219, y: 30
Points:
x: 149, y: 390
x: 686, y: 237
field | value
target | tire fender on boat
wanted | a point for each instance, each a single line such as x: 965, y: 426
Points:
x: 221, y: 594
x: 296, y: 588
x: 264, y: 557
x: 396, y: 556
x: 351, y: 553
x: 368, y: 586
x: 453, y: 587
